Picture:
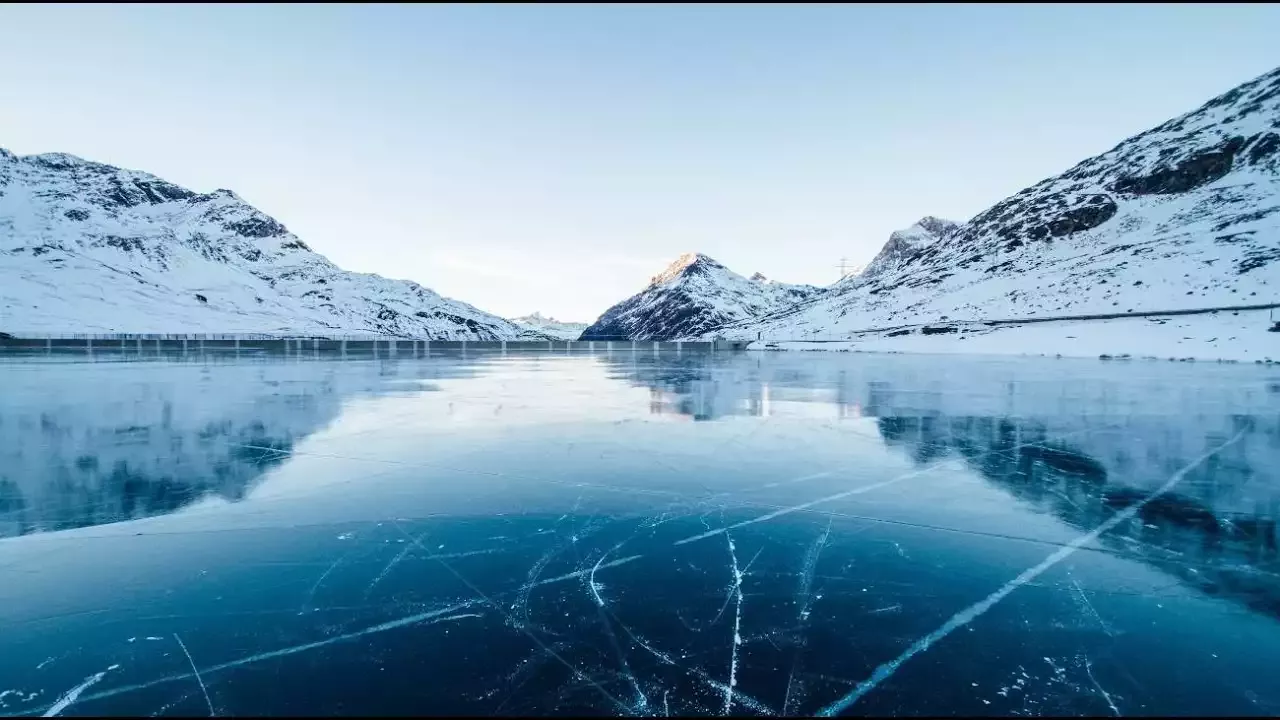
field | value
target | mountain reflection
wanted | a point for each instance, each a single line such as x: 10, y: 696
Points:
x: 1216, y: 531
x: 90, y: 443
x: 1215, y: 549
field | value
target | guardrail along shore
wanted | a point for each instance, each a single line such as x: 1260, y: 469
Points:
x: 142, y: 344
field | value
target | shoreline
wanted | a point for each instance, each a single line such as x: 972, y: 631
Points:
x: 1239, y: 336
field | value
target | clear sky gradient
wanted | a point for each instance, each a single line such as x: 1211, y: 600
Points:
x: 553, y: 158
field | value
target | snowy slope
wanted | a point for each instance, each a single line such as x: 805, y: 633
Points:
x: 693, y: 295
x: 87, y: 247
x: 551, y: 327
x: 1185, y: 215
x: 1227, y: 335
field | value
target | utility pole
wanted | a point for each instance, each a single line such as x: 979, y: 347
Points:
x: 844, y: 267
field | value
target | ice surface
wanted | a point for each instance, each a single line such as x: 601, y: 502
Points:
x: 638, y: 534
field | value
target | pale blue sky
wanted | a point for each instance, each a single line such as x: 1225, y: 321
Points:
x: 553, y: 158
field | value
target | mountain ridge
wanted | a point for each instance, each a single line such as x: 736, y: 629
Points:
x: 693, y: 294
x: 1184, y: 215
x: 550, y: 326
x: 94, y: 247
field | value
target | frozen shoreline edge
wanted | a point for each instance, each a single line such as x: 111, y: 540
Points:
x: 1243, y: 336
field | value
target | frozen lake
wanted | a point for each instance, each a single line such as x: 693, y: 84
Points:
x: 634, y: 534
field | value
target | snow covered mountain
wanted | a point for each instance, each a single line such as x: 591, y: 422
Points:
x: 87, y: 247
x: 694, y: 295
x: 551, y: 327
x: 1186, y: 215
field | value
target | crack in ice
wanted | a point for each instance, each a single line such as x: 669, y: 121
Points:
x: 74, y: 693
x: 1089, y: 669
x: 282, y: 652
x: 196, y: 671
x: 850, y: 493
x: 387, y: 569
x: 311, y: 594
x: 964, y: 617
x: 581, y: 573
x: 1105, y: 628
x: 737, y: 628
x: 496, y: 606
x: 806, y: 599
x: 806, y: 505
x: 591, y: 581
x: 738, y: 696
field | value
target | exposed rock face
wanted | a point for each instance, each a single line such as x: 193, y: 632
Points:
x: 693, y: 295
x: 903, y: 245
x: 87, y: 247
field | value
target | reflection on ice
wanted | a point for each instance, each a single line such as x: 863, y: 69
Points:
x: 547, y: 534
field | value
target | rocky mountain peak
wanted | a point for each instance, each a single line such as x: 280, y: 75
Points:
x: 690, y: 263
x: 902, y: 244
x: 693, y: 295
x: 936, y: 225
